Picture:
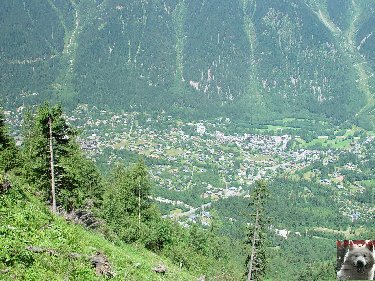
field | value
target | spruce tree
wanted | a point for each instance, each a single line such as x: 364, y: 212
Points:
x: 256, y: 261
x: 54, y: 163
x: 8, y: 151
x: 127, y: 204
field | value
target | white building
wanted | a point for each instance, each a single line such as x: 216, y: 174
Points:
x: 201, y: 129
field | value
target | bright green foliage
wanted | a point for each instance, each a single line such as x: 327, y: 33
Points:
x: 311, y: 212
x: 128, y: 211
x: 25, y: 221
x: 157, y: 233
x: 195, y: 249
x: 257, y: 235
x: 8, y: 150
x: 201, y: 251
x: 76, y: 177
x: 83, y: 180
x: 318, y: 272
x: 302, y: 258
x: 126, y: 201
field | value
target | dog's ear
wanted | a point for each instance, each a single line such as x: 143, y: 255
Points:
x: 370, y: 245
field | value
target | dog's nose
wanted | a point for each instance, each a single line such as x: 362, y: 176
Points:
x: 360, y: 263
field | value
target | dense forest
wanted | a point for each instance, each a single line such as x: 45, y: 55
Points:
x: 251, y: 60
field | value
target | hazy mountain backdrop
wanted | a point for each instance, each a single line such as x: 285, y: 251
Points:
x: 248, y: 59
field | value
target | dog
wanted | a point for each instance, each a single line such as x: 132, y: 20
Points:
x: 359, y: 263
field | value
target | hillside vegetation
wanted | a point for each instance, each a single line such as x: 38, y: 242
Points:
x: 120, y: 207
x: 252, y: 60
x: 38, y: 243
x: 179, y: 108
x: 26, y: 222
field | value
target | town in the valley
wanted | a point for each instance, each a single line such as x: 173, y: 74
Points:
x: 192, y: 164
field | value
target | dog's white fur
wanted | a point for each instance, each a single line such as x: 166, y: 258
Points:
x: 359, y: 263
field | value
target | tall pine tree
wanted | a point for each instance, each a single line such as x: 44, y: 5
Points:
x: 54, y: 163
x: 256, y: 262
x: 8, y: 151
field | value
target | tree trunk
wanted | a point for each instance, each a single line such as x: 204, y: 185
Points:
x: 251, y: 261
x: 53, y: 189
x: 139, y: 209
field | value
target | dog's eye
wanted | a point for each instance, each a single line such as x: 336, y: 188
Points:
x: 356, y: 256
x: 364, y: 256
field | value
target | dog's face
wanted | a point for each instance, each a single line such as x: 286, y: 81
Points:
x: 361, y: 257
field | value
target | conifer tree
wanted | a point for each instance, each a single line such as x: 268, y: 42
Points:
x: 126, y: 201
x: 256, y: 261
x: 8, y: 150
x: 54, y: 163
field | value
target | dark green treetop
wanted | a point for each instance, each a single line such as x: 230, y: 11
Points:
x: 8, y: 150
x: 76, y: 176
x: 256, y: 262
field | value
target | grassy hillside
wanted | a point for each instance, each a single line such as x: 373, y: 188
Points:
x: 25, y: 221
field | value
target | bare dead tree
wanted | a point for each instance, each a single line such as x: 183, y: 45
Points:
x: 253, y: 247
x: 256, y: 262
x: 53, y: 186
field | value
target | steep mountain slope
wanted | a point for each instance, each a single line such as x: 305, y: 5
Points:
x: 36, y: 245
x: 251, y: 59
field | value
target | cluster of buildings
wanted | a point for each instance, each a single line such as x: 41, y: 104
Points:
x: 199, y: 156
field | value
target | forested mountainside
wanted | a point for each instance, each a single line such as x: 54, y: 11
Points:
x: 249, y: 59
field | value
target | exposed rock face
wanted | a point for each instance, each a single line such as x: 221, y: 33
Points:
x: 5, y: 185
x: 161, y: 268
x: 99, y: 261
x: 102, y: 265
x: 83, y: 217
